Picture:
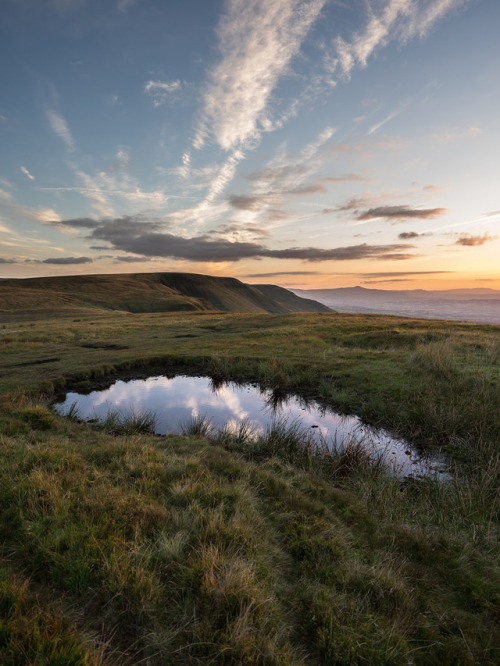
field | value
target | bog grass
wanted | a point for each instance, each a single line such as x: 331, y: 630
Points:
x: 122, y: 547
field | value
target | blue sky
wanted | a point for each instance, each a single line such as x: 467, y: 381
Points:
x: 316, y: 143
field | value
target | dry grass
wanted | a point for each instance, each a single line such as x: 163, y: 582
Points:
x: 225, y: 548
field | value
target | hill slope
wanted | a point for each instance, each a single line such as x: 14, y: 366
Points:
x: 289, y: 300
x: 146, y: 292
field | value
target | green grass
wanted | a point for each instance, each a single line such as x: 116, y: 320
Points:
x: 116, y: 422
x: 146, y: 292
x: 122, y: 547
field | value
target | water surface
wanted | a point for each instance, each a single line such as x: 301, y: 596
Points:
x: 176, y: 400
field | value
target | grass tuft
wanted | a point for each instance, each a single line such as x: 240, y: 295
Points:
x: 198, y: 426
x: 131, y: 423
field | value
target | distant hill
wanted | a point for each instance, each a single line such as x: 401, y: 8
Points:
x: 479, y: 305
x: 290, y: 301
x: 147, y: 292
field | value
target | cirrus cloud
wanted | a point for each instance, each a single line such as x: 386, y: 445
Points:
x: 162, y: 91
x: 60, y: 128
x: 257, y: 41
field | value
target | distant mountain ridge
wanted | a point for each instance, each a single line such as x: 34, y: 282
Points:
x: 148, y: 292
x: 479, y: 305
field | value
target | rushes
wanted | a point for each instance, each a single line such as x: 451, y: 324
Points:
x: 198, y: 426
x: 117, y: 422
x: 131, y: 423
x: 294, y: 443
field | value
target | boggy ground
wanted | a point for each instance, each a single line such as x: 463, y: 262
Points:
x: 132, y: 548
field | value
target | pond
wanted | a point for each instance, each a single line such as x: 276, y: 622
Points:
x: 175, y: 401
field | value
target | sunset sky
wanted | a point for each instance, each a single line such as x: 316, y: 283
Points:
x: 306, y: 143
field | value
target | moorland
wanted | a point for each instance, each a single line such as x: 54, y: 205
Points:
x: 122, y: 547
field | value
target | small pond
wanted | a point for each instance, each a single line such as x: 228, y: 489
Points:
x: 175, y: 401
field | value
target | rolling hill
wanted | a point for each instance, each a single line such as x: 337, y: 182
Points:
x: 147, y: 292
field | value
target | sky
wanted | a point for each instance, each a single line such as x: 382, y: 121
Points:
x: 305, y: 143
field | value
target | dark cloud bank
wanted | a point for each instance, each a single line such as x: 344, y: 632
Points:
x: 67, y: 261
x: 401, y: 213
x: 129, y: 234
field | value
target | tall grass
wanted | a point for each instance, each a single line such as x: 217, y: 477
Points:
x: 198, y: 426
x: 294, y: 443
x: 455, y: 406
x: 116, y: 422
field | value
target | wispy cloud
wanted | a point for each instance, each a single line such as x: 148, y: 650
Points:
x: 396, y: 20
x: 257, y: 41
x: 480, y: 221
x: 285, y: 174
x: 162, y: 91
x: 347, y: 177
x: 224, y: 175
x: 401, y: 273
x: 113, y: 186
x: 6, y: 183
x: 239, y: 231
x: 277, y: 273
x: 390, y: 116
x: 313, y: 188
x: 60, y: 128
x: 385, y: 281
x: 252, y: 201
x: 46, y: 215
x: 474, y: 241
x: 450, y: 134
x: 278, y: 173
x: 27, y: 173
x: 14, y: 212
x: 185, y: 169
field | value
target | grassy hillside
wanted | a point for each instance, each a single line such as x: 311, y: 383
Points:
x: 288, y: 300
x: 121, y: 547
x: 146, y: 292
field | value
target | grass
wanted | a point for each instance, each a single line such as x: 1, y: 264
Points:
x: 146, y: 292
x: 294, y: 444
x: 132, y: 423
x: 121, y: 547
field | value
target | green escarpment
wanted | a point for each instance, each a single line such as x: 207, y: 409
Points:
x: 147, y: 292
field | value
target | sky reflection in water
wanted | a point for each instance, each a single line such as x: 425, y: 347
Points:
x: 177, y: 400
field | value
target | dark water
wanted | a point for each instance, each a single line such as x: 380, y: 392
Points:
x: 175, y: 401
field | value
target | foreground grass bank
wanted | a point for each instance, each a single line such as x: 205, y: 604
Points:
x: 141, y: 549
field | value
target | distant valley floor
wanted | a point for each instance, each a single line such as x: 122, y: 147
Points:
x: 475, y: 305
